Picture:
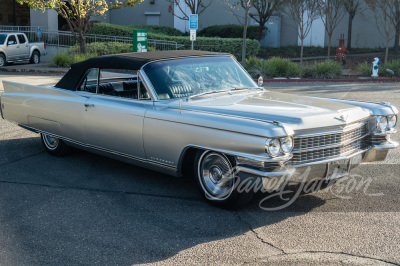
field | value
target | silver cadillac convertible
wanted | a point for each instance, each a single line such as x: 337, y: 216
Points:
x: 200, y: 114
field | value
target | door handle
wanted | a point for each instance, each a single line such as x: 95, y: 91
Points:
x: 88, y: 105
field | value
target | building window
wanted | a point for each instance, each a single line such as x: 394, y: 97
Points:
x: 152, y: 18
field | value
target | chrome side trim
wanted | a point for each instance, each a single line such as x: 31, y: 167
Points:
x: 99, y: 148
x: 241, y: 155
x: 264, y: 174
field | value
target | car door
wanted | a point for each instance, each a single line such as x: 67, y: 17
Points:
x: 115, y: 123
x: 23, y: 47
x: 12, y: 50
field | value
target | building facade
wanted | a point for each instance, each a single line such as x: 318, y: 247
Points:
x: 158, y: 12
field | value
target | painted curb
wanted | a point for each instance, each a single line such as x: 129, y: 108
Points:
x: 393, y: 80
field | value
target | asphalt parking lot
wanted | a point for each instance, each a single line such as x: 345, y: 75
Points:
x: 88, y: 209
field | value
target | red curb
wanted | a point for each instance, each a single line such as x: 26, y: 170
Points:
x: 334, y: 80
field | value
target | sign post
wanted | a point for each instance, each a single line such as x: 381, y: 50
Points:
x: 193, y: 26
x: 139, y: 41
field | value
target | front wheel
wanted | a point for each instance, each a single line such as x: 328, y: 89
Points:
x: 218, y: 182
x: 2, y: 60
x: 54, y: 146
x: 35, y: 58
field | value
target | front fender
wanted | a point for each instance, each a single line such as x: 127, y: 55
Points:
x: 373, y: 107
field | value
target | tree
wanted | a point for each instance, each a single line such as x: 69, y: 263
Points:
x: 243, y: 19
x: 195, y: 6
x: 396, y: 11
x: 77, y: 13
x: 331, y: 12
x: 352, y: 7
x: 264, y: 10
x: 385, y: 19
x: 303, y: 13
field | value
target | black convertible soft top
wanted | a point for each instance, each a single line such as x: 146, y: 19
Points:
x: 131, y: 61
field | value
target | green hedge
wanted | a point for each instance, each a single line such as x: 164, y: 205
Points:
x: 229, y: 31
x: 227, y: 45
x: 157, y: 29
x: 282, y: 67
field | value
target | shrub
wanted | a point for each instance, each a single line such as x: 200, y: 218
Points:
x: 328, y: 69
x: 273, y: 67
x: 365, y: 69
x: 103, y: 48
x: 229, y: 31
x: 61, y: 60
x: 227, y: 45
x: 157, y: 29
x: 393, y: 65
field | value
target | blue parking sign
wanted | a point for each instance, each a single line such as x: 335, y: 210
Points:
x: 193, y: 22
x: 38, y: 32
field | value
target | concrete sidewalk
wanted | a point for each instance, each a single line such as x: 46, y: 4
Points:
x: 34, y: 68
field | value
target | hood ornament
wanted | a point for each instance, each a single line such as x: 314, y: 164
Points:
x: 342, y: 118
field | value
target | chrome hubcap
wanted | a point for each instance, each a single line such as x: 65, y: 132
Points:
x: 36, y: 58
x: 1, y: 61
x: 216, y: 175
x: 51, y: 142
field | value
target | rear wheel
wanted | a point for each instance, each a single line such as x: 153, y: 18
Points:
x: 2, y: 60
x: 54, y: 146
x: 218, y: 182
x: 35, y: 58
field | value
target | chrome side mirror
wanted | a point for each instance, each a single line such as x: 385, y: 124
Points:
x: 260, y: 81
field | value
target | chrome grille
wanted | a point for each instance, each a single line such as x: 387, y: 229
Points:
x: 322, y: 147
x: 315, y: 142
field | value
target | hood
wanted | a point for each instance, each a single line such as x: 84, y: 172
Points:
x: 299, y: 112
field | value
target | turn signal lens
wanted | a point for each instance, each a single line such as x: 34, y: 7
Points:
x: 392, y: 121
x: 287, y: 144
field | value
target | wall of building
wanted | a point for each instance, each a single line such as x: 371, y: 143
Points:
x: 137, y: 15
x: 48, y: 19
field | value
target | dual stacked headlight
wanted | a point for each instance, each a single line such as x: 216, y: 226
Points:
x: 385, y: 123
x: 277, y: 146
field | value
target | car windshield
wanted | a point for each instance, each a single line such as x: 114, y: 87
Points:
x: 3, y: 38
x: 192, y: 76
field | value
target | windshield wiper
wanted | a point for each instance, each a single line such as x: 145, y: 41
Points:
x: 205, y: 93
x: 211, y: 92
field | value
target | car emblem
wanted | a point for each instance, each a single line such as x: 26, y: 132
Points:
x: 342, y: 118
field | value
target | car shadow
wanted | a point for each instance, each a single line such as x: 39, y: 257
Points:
x: 85, y: 209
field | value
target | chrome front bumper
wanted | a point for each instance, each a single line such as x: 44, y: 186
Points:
x: 280, y: 176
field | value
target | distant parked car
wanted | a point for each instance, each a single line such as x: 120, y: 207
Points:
x: 200, y: 114
x: 15, y: 47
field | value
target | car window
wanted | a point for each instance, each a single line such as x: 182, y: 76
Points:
x: 191, y: 76
x: 89, y: 82
x: 21, y: 38
x: 3, y: 38
x: 122, y: 83
x: 11, y: 40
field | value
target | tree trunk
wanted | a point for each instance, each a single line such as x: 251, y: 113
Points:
x: 246, y: 23
x: 350, y: 31
x: 329, y: 45
x: 387, y: 52
x: 396, y: 38
x: 260, y: 31
x: 82, y: 42
x: 301, y: 51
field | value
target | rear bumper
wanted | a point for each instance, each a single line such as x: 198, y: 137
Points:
x: 274, y: 180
